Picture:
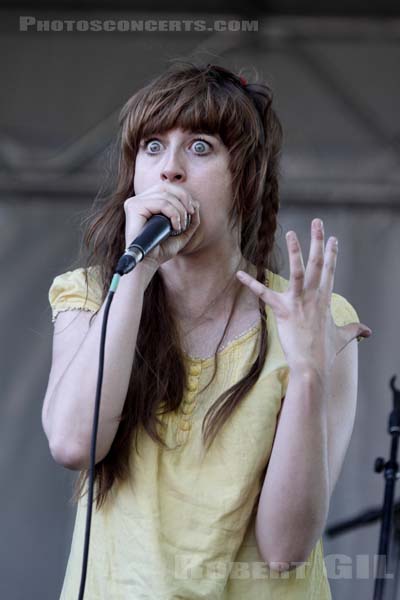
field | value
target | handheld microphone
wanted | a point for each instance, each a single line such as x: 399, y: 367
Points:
x: 156, y: 230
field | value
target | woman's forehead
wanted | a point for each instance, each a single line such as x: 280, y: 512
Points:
x: 185, y: 132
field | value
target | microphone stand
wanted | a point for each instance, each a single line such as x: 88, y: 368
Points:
x: 391, y: 474
x: 384, y: 513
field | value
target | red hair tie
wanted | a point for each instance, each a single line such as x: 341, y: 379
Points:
x: 243, y: 81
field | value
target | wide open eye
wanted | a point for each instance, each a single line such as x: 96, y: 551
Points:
x: 201, y: 146
x: 152, y: 146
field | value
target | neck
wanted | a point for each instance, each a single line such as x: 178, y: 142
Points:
x: 198, y: 285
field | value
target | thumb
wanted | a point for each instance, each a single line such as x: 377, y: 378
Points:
x: 354, y: 330
x: 362, y: 330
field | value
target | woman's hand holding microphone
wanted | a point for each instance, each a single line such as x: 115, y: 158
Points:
x: 174, y: 202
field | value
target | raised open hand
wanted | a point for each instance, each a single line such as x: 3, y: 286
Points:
x: 307, y: 331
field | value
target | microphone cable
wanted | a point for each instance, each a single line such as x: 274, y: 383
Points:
x: 157, y: 229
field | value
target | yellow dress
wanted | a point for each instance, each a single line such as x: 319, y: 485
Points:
x: 185, y: 530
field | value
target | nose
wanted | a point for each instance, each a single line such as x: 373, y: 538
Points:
x: 173, y: 171
x: 171, y: 175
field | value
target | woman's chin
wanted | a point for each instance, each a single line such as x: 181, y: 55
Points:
x: 193, y: 244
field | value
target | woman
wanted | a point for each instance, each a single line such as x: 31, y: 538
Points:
x: 229, y: 393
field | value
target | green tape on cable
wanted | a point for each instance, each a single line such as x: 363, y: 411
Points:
x: 114, y: 282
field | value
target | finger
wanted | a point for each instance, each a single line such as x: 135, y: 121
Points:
x: 258, y: 289
x: 191, y: 224
x: 183, y: 195
x: 181, y: 206
x: 353, y: 331
x: 315, y: 261
x: 296, y: 279
x: 173, y: 209
x: 178, y: 197
x: 328, y: 271
x: 180, y: 218
x: 156, y: 204
x: 363, y: 330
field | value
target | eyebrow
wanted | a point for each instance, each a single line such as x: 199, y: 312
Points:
x: 203, y: 132
x: 191, y: 132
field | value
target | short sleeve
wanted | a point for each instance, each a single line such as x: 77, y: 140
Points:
x: 343, y: 312
x: 70, y: 291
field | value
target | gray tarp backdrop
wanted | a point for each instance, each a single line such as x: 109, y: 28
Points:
x: 337, y: 90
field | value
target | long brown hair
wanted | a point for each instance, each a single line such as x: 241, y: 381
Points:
x: 211, y: 99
